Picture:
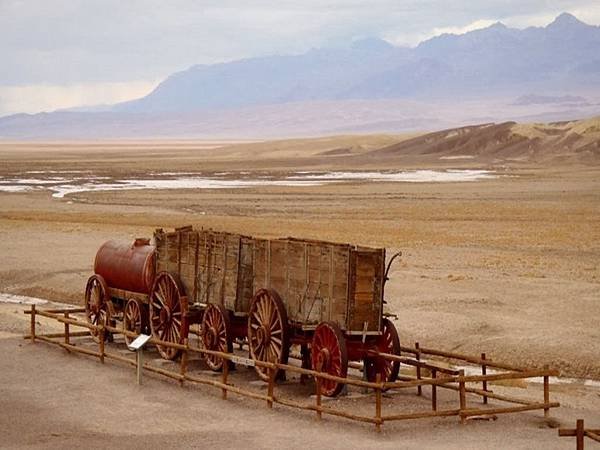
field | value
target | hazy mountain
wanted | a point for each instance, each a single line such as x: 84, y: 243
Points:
x: 564, y: 55
x: 533, y: 99
x: 496, y: 74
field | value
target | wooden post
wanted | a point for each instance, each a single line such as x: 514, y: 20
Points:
x: 546, y: 393
x: 224, y: 378
x: 484, y: 382
x: 318, y: 383
x: 184, y: 362
x: 433, y: 391
x: 139, y: 359
x: 580, y: 433
x: 378, y: 403
x: 419, y: 388
x: 272, y: 373
x: 67, y: 341
x: 32, y: 331
x: 463, y: 396
x: 305, y: 353
x: 102, y: 335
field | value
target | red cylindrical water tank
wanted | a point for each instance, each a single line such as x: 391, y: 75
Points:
x: 127, y: 266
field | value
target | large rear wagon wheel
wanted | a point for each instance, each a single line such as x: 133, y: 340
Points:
x: 96, y: 304
x: 168, y: 304
x: 268, y: 331
x: 328, y: 354
x: 216, y: 334
x: 388, y: 342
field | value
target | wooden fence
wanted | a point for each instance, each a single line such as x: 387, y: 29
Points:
x: 580, y: 432
x: 441, y: 376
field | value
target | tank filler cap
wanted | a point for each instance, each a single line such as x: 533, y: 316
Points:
x: 138, y: 242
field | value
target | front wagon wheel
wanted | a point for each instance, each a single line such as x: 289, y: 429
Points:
x: 268, y: 331
x: 96, y: 305
x: 216, y: 335
x: 168, y: 305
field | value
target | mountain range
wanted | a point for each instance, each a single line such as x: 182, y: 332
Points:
x: 492, y: 74
x: 560, y: 56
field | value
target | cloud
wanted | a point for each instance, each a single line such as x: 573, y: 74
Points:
x: 411, y: 40
x: 476, y: 25
x: 44, y: 97
x: 47, y: 45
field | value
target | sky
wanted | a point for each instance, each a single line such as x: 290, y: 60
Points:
x: 65, y: 53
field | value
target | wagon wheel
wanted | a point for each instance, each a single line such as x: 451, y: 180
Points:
x: 216, y: 334
x: 329, y: 355
x: 388, y: 342
x: 96, y: 304
x: 268, y: 331
x: 135, y: 319
x: 168, y: 304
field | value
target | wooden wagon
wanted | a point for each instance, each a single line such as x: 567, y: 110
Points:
x: 325, y: 297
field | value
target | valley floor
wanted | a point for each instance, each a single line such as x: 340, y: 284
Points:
x: 509, y: 266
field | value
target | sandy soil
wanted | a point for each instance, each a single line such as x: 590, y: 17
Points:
x: 507, y: 266
x: 59, y: 400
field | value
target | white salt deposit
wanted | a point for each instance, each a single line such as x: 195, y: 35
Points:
x: 177, y: 183
x: 13, y: 188
x: 458, y: 157
x: 35, y: 181
x: 65, y: 185
x: 58, y: 171
x: 472, y: 370
x: 21, y: 299
x: 415, y: 176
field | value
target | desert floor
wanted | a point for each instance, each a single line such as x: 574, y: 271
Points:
x: 509, y: 266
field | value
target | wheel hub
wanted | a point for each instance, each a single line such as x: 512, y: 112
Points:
x: 165, y: 314
x: 210, y: 338
x: 323, y: 360
x: 263, y: 336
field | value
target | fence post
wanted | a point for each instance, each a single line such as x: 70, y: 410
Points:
x: 546, y: 392
x: 484, y: 372
x: 378, y: 402
x: 184, y: 362
x: 318, y: 383
x: 433, y: 391
x: 419, y: 388
x: 139, y: 360
x: 102, y: 335
x: 272, y: 373
x: 32, y: 331
x: 225, y: 373
x: 463, y: 396
x: 580, y: 433
x: 67, y: 340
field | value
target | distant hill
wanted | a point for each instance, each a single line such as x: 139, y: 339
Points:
x: 563, y: 56
x: 574, y: 141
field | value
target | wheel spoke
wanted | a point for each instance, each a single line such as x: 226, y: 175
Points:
x: 276, y: 349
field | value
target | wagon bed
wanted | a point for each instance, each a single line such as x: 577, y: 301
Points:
x: 317, y: 280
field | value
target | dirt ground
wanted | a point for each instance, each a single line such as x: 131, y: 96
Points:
x: 509, y: 266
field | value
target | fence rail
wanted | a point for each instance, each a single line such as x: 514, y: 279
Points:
x: 452, y: 379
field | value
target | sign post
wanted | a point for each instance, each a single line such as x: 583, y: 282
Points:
x: 138, y: 347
